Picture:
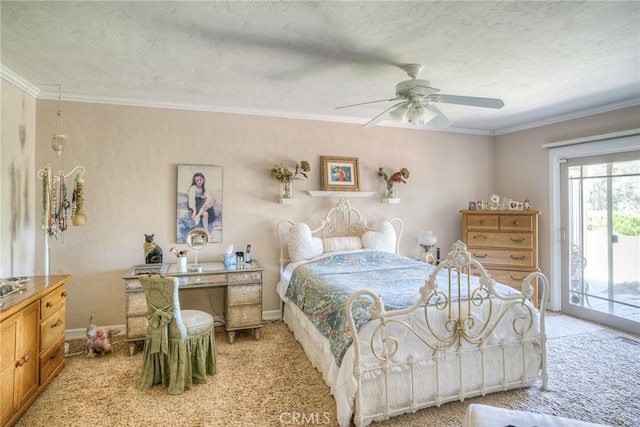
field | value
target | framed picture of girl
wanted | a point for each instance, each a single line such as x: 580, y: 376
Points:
x: 199, y: 201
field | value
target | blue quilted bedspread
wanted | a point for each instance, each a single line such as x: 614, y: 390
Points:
x: 320, y: 289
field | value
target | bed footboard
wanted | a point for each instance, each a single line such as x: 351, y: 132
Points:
x: 461, y: 338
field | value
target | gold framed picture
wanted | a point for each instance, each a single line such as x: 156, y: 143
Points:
x: 340, y: 173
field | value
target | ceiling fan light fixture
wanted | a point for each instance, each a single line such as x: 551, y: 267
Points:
x: 400, y: 114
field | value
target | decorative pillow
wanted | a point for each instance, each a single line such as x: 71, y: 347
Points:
x: 382, y: 239
x: 302, y: 245
x: 332, y: 244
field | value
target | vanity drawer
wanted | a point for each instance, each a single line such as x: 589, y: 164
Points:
x: 52, y: 328
x: 52, y: 302
x: 244, y: 294
x: 136, y: 327
x: 136, y: 303
x: 204, y: 279
x: 243, y: 316
x: 244, y: 277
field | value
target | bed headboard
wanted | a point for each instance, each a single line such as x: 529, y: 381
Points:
x: 343, y: 220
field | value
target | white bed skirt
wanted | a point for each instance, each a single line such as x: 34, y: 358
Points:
x: 411, y: 386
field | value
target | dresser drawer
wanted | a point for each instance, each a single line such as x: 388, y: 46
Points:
x: 52, y: 328
x: 244, y: 316
x: 516, y: 223
x: 501, y: 257
x: 51, y: 359
x: 476, y: 239
x: 136, y: 303
x: 244, y: 294
x: 483, y: 222
x: 52, y: 302
x: 244, y: 277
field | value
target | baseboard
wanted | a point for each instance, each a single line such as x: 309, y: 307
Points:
x: 80, y: 333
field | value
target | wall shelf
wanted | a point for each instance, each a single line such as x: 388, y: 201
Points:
x: 394, y: 201
x: 341, y: 193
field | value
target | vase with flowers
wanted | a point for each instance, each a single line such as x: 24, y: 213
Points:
x: 286, y: 177
x: 398, y: 177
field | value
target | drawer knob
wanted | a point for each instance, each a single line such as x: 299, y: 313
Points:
x: 482, y: 221
x: 520, y: 240
x: 480, y: 256
x: 244, y: 316
x: 479, y: 236
x: 516, y: 222
x: 56, y: 355
x: 55, y: 325
x: 518, y: 257
x: 520, y: 279
x: 63, y: 294
x: 49, y: 304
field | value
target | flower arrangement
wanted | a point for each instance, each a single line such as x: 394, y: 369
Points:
x: 282, y: 174
x: 401, y: 176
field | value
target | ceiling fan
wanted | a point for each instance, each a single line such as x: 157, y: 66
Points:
x: 416, y: 102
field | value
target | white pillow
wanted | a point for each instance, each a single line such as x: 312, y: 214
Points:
x: 332, y: 244
x: 382, y: 239
x: 302, y: 245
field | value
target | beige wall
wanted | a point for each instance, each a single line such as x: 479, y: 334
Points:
x: 131, y: 156
x: 17, y: 182
x: 522, y: 165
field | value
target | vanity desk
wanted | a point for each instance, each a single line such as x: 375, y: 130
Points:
x: 242, y: 295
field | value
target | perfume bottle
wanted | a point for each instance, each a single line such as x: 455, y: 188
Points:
x: 247, y: 255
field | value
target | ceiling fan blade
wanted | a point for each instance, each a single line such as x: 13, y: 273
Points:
x: 440, y: 121
x: 369, y: 102
x: 468, y: 100
x: 377, y: 118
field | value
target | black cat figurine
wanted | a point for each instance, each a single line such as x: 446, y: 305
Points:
x: 152, y: 252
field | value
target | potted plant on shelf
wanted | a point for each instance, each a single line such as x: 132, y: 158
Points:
x: 286, y: 177
x: 401, y: 176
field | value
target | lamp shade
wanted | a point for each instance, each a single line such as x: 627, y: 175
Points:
x: 426, y: 238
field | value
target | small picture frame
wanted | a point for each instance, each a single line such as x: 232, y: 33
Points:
x: 513, y: 205
x: 340, y: 173
x: 479, y: 205
x: 472, y: 206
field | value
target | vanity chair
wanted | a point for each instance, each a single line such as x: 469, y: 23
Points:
x: 179, y: 348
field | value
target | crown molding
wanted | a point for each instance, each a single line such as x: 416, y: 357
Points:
x: 12, y: 77
x: 34, y: 91
x: 632, y: 102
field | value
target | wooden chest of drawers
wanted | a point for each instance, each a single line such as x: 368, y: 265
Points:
x: 243, y: 296
x: 32, y: 325
x: 505, y: 243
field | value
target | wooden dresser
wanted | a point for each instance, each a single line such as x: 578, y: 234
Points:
x: 243, y: 296
x: 32, y: 325
x: 505, y: 243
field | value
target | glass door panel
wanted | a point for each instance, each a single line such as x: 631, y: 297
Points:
x: 602, y: 244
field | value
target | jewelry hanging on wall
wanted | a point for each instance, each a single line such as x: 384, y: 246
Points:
x: 55, y: 197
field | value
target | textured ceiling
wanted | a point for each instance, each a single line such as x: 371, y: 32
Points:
x: 302, y: 59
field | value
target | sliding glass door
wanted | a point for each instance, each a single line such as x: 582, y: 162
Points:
x: 601, y: 238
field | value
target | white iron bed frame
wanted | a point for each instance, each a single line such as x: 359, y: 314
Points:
x: 460, y: 358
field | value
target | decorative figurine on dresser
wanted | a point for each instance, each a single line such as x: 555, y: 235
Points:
x: 152, y: 252
x: 242, y: 295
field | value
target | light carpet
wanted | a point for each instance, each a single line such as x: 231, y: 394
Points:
x: 593, y: 377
